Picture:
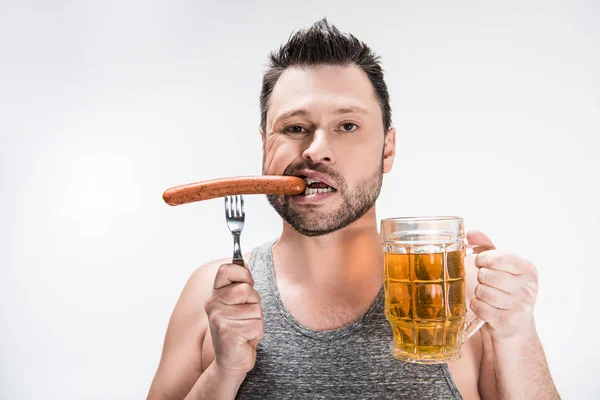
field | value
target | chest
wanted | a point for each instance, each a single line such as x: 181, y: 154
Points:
x: 322, y: 316
x: 355, y: 364
x: 326, y: 311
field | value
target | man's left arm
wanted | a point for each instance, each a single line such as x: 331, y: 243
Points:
x: 504, y: 299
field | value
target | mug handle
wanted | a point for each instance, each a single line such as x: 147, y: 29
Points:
x: 476, y: 323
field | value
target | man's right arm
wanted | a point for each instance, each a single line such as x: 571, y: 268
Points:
x: 213, y: 384
x: 219, y: 301
x: 181, y: 360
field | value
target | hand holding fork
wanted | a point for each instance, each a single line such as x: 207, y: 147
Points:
x: 234, y: 308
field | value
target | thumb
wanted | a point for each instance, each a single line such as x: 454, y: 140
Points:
x: 476, y: 237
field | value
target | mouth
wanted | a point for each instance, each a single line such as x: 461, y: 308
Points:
x: 316, y: 184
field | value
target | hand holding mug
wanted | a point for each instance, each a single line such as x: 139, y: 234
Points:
x: 506, y: 293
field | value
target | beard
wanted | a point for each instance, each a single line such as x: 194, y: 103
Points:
x: 310, y: 221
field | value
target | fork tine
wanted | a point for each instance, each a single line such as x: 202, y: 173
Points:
x: 234, y: 214
x: 240, y: 206
x: 234, y: 207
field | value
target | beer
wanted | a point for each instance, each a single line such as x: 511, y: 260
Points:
x: 425, y: 302
x: 424, y: 282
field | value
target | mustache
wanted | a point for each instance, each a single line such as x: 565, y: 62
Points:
x: 295, y: 169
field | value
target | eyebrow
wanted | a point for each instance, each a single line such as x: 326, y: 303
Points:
x: 293, y: 113
x: 339, y: 111
x: 350, y: 110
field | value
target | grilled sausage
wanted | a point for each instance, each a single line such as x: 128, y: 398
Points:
x: 205, y: 190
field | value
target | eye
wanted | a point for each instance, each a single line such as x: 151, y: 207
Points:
x: 296, y: 129
x: 348, y: 127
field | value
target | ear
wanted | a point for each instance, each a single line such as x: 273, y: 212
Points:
x: 389, y: 150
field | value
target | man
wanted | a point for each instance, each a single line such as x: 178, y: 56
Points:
x: 305, y: 319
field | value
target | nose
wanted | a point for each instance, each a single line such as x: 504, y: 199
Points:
x: 320, y: 149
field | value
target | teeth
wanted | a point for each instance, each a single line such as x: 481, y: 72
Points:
x: 309, y: 191
x: 310, y: 180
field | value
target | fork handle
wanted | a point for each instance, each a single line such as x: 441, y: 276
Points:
x: 239, y: 262
x: 237, y: 251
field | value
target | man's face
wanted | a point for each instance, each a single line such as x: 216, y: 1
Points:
x: 325, y: 124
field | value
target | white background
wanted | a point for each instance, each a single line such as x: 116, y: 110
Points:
x: 104, y: 105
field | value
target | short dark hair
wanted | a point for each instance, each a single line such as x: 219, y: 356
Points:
x: 324, y: 44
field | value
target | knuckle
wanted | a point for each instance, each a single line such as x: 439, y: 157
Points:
x: 248, y: 277
x: 256, y: 309
x: 220, y: 324
x: 209, y: 304
x: 502, y: 257
x: 474, y: 303
x: 222, y: 272
x: 235, y: 291
x: 213, y: 320
x: 244, y: 289
x: 489, y: 258
x: 223, y: 269
x: 530, y: 290
x: 483, y: 293
x: 255, y: 296
x: 258, y: 326
x: 498, y: 258
x: 478, y: 290
x: 482, y: 275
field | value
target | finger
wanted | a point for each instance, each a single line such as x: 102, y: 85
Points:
x: 237, y: 331
x: 485, y: 311
x: 504, y: 261
x: 241, y: 312
x: 254, y: 329
x: 242, y: 330
x: 476, y: 237
x: 232, y: 273
x: 504, y: 281
x: 495, y: 297
x: 237, y: 293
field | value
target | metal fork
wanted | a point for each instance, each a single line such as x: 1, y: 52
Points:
x: 235, y: 216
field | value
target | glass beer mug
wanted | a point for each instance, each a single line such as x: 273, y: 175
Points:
x: 424, y: 283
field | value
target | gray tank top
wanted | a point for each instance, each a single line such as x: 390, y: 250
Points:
x: 353, y: 362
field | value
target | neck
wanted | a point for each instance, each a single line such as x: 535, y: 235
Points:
x: 350, y: 258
